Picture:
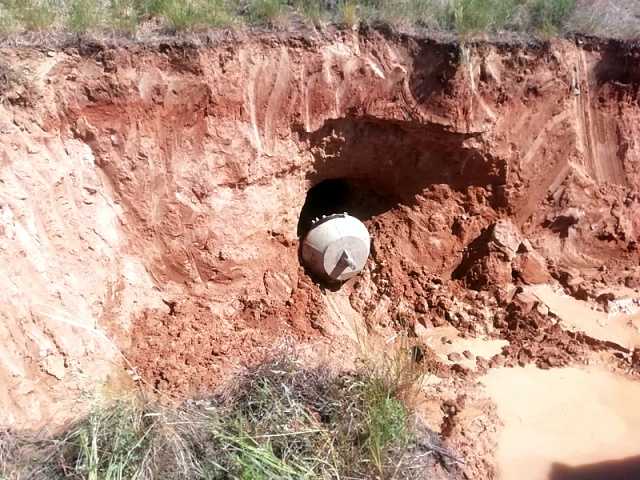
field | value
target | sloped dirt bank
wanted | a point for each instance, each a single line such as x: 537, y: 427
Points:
x: 154, y: 193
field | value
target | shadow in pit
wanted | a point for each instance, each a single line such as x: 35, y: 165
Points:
x: 618, y: 64
x: 398, y: 160
x: 626, y: 469
x: 339, y: 195
x: 477, y: 249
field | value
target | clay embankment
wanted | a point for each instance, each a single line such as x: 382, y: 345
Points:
x: 157, y: 194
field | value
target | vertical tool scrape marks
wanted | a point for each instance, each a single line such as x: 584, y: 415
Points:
x: 308, y: 90
x: 606, y: 145
x: 541, y: 138
x: 345, y: 86
x: 251, y: 100
x: 276, y: 102
x: 583, y: 117
x: 597, y: 132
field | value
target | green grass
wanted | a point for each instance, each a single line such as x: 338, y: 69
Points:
x: 550, y: 15
x: 349, y: 13
x: 463, y: 16
x: 110, y: 443
x: 277, y: 421
x: 312, y: 10
x: 217, y: 13
x: 8, y: 24
x: 123, y: 16
x: 190, y: 15
x: 273, y: 12
x: 150, y: 8
x: 181, y: 15
x: 471, y: 16
x: 33, y: 15
x: 467, y: 16
x: 83, y: 15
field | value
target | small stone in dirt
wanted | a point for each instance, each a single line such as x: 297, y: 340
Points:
x: 531, y: 269
x: 542, y: 309
x: 281, y: 239
x: 570, y: 215
x: 425, y: 321
x: 497, y: 361
x: 462, y: 401
x: 468, y: 355
x: 505, y: 236
x: 635, y: 357
x: 482, y: 363
x: 454, y: 357
x: 420, y: 330
x: 555, y: 361
x: 573, y: 349
x: 526, y: 301
x: 421, y: 306
x: 524, y: 357
x: 605, y: 298
x: 461, y: 369
x: 54, y: 366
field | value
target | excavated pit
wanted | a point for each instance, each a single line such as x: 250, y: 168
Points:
x: 158, y: 194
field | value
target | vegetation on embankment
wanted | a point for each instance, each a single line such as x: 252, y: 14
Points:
x: 616, y: 18
x: 278, y: 420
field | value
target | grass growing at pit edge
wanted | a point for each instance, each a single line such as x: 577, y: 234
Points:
x: 83, y: 15
x: 462, y: 16
x: 32, y: 15
x: 278, y: 420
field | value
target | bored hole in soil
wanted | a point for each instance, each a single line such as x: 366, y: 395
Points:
x: 357, y: 197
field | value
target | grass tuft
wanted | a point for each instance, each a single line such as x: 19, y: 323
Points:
x: 182, y: 16
x: 8, y: 24
x: 312, y: 10
x: 477, y: 15
x: 124, y: 16
x: 277, y: 421
x: 33, y: 15
x: 151, y: 8
x: 110, y: 443
x: 273, y: 12
x: 217, y: 13
x: 609, y: 18
x: 549, y: 15
x: 84, y: 15
x: 349, y: 14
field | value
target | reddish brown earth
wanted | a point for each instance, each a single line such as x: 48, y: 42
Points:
x: 154, y: 193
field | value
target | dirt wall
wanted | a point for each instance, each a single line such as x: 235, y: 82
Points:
x: 153, y: 192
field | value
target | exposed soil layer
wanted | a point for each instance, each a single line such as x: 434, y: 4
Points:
x: 158, y: 193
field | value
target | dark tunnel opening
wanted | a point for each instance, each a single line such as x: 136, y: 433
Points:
x: 357, y: 197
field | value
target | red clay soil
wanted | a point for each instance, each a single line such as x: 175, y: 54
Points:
x: 154, y: 192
